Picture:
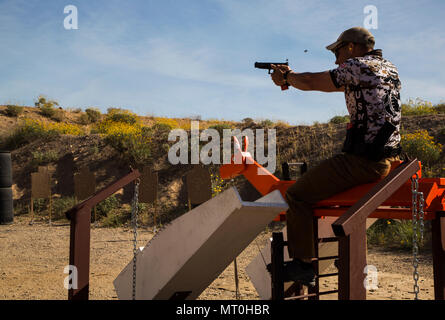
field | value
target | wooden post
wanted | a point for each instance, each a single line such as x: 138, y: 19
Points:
x: 80, y: 216
x: 277, y: 266
x: 50, y: 208
x: 352, y: 262
x: 148, y: 191
x: 80, y: 252
x: 32, y: 211
x: 155, y: 203
x: 438, y: 243
x: 315, y: 264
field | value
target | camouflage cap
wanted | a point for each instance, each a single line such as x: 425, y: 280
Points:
x: 354, y: 35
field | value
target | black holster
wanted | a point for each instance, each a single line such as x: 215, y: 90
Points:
x: 355, y: 143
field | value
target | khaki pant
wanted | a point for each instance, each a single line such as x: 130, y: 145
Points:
x: 332, y: 176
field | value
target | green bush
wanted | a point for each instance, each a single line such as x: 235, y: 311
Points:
x: 220, y: 127
x: 339, y: 119
x: 115, y: 218
x: 46, y: 106
x: 40, y: 206
x: 13, y: 111
x: 84, y: 119
x: 121, y: 115
x: 161, y: 127
x: 58, y: 115
x: 26, y: 133
x: 111, y: 214
x: 93, y: 114
x: 248, y: 122
x: 107, y: 205
x: 42, y: 158
x: 396, y: 234
x: 266, y: 123
x: 440, y: 108
x: 61, y: 205
x: 47, y: 111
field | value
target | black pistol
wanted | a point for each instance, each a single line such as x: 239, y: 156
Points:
x: 266, y: 65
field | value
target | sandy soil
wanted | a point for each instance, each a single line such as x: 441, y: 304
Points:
x: 33, y: 257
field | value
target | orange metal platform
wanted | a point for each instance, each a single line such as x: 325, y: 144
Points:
x: 398, y: 206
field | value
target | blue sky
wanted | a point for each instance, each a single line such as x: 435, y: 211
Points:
x: 195, y: 57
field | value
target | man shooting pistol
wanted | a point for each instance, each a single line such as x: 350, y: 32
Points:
x: 268, y: 65
x: 371, y: 87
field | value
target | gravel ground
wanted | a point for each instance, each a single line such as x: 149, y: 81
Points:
x: 33, y: 258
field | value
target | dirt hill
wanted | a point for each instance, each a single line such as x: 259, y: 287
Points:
x: 70, y: 153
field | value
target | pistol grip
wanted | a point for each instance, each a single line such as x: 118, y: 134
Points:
x: 284, y: 87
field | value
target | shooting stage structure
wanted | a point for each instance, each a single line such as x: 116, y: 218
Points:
x: 186, y: 256
x: 343, y: 218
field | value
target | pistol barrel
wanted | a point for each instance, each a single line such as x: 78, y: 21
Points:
x: 266, y: 65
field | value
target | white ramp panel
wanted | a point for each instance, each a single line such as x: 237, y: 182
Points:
x: 195, y: 248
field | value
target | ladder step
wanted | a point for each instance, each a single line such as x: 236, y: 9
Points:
x: 302, y: 296
x: 325, y: 258
x: 328, y: 292
x: 327, y: 275
x: 333, y: 239
x: 311, y: 295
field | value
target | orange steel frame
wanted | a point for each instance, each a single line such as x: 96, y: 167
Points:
x: 433, y: 190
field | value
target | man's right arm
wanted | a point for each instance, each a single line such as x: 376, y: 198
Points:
x: 318, y: 81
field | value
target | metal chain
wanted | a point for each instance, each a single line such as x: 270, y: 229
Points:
x: 235, y: 266
x: 421, y: 215
x: 418, y: 223
x: 134, y: 222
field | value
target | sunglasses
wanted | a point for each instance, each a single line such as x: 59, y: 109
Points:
x: 341, y: 46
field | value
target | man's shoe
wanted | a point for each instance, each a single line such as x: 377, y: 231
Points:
x: 298, y: 271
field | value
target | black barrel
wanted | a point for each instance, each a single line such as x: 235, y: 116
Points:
x: 6, y: 207
x: 5, y: 169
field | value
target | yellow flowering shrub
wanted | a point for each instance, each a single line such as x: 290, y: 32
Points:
x: 218, y: 184
x: 64, y: 128
x: 418, y: 107
x: 124, y: 132
x: 110, y: 127
x: 30, y: 130
x: 171, y: 123
x: 61, y: 128
x: 421, y: 146
x: 185, y: 124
